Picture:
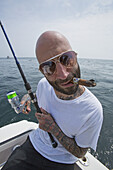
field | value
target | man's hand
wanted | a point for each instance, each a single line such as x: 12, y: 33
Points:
x: 46, y: 121
x: 26, y: 102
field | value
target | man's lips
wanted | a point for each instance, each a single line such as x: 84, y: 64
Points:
x: 66, y: 84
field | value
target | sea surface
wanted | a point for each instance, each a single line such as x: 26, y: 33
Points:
x: 99, y: 70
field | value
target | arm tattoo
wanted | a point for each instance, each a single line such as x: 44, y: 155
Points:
x: 69, y: 143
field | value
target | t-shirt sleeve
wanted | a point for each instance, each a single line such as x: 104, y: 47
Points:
x: 89, y: 133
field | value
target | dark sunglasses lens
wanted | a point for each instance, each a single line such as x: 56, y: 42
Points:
x: 48, y: 68
x: 68, y: 59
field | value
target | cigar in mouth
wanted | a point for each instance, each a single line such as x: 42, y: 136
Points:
x: 87, y: 83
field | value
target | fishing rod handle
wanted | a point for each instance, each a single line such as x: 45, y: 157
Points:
x: 53, y: 142
x: 34, y: 101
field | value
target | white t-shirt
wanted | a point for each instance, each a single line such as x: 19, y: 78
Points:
x: 80, y: 118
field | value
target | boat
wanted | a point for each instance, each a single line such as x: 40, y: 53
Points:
x: 14, y: 134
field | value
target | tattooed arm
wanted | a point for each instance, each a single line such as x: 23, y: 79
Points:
x: 68, y: 143
x: 47, y: 123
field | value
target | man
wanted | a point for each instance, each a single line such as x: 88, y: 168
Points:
x: 70, y: 112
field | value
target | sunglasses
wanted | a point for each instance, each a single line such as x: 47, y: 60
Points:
x: 67, y: 59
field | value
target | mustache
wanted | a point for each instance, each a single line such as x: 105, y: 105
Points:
x: 69, y: 78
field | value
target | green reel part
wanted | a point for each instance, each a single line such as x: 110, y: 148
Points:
x: 11, y: 94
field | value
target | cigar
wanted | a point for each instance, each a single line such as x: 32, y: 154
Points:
x: 87, y: 83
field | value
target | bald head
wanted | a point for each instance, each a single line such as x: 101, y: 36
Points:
x: 49, y: 44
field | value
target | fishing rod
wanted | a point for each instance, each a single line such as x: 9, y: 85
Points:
x: 26, y: 84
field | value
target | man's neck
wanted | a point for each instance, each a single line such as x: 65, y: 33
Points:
x: 78, y: 93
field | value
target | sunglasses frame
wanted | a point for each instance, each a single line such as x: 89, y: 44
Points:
x: 52, y: 58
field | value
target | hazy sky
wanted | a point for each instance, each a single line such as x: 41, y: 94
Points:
x: 88, y: 25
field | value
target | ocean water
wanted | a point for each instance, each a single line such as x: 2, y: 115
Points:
x: 100, y: 70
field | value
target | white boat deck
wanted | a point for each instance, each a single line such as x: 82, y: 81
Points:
x: 15, y: 134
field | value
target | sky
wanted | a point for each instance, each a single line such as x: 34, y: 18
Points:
x: 87, y: 24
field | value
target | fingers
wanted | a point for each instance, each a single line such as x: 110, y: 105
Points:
x: 25, y: 112
x: 38, y: 115
x: 25, y: 101
x: 22, y: 102
x: 43, y: 111
x: 27, y: 108
x: 42, y: 116
x: 45, y: 120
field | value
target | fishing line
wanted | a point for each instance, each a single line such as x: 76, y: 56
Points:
x: 26, y: 84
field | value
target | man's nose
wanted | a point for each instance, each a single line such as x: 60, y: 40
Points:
x: 61, y: 71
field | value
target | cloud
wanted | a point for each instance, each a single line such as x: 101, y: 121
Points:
x: 99, y: 7
x: 105, y: 3
x: 87, y: 24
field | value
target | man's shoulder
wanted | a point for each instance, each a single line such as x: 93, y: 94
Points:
x: 43, y: 89
x: 94, y: 105
x: 43, y: 84
x: 91, y: 97
x: 43, y: 81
